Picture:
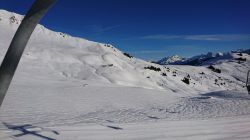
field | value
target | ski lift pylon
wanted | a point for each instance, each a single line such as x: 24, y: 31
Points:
x: 19, y: 42
x: 248, y: 82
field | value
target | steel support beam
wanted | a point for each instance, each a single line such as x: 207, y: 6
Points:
x: 19, y: 42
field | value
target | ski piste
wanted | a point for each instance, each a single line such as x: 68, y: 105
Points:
x: 19, y: 42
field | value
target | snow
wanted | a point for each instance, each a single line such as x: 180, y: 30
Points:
x: 223, y: 129
x: 72, y: 88
x: 203, y: 59
x: 171, y: 60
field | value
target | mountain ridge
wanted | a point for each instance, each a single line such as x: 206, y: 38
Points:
x: 58, y: 55
x: 202, y: 59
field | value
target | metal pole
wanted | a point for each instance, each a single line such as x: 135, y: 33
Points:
x: 19, y: 42
x: 248, y: 82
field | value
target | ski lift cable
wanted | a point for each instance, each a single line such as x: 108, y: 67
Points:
x: 19, y: 42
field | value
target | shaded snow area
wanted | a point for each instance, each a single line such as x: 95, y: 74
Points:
x: 71, y: 88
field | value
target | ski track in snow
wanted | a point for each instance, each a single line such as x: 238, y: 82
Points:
x: 124, y: 113
x: 67, y: 109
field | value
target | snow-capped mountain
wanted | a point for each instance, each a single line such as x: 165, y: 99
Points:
x: 55, y: 54
x: 171, y: 60
x: 75, y: 88
x: 207, y: 59
x: 203, y: 59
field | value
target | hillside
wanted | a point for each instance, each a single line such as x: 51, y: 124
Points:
x: 80, y: 87
x: 75, y: 58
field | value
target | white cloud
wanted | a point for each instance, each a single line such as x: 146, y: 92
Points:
x: 149, y: 51
x: 101, y: 28
x: 216, y: 37
x: 161, y: 37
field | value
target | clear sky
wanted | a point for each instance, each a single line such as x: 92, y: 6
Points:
x: 151, y: 29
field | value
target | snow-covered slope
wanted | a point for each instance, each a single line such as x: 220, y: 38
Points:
x: 60, y: 55
x: 81, y: 88
x: 74, y: 57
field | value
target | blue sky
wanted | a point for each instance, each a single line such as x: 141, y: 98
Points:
x: 151, y: 29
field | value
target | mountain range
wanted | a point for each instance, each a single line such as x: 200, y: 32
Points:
x: 203, y: 59
x: 73, y: 88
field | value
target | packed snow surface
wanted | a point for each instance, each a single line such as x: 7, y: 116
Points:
x: 72, y: 88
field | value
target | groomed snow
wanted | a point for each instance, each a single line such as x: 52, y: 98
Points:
x: 72, y: 88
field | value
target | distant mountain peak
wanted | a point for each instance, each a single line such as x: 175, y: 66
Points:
x: 203, y: 59
x: 171, y: 59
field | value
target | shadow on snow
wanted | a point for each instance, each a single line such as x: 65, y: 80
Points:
x: 28, y: 129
